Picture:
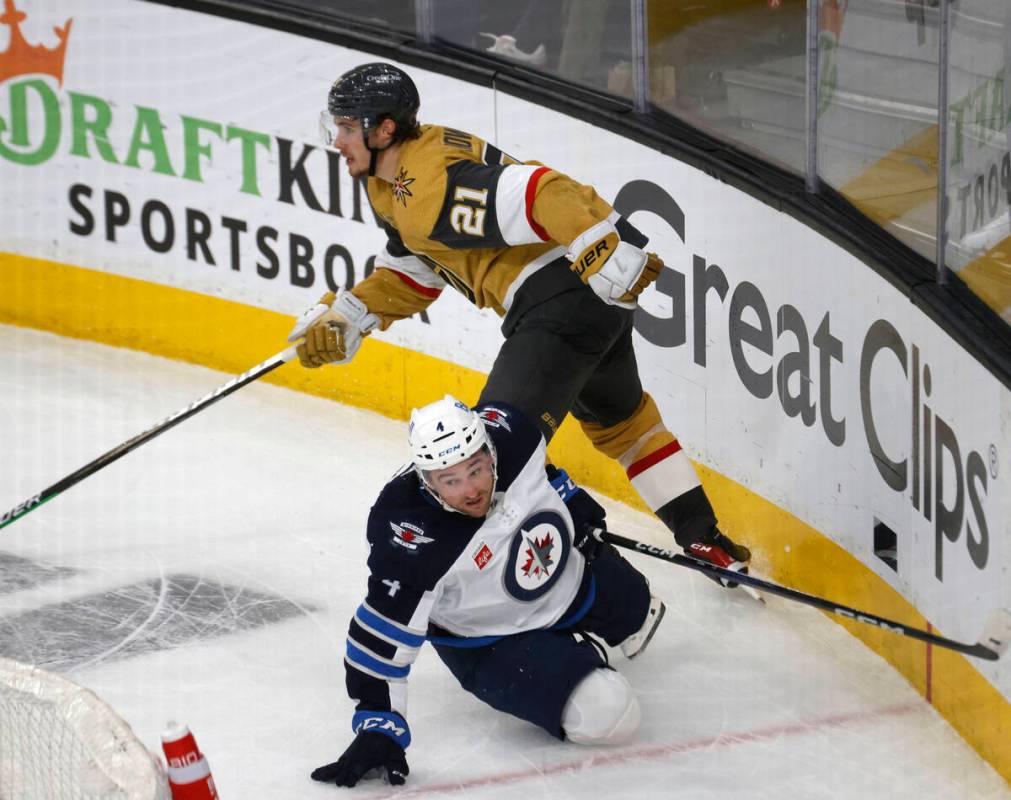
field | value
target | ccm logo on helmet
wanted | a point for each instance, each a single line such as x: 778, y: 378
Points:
x: 448, y: 450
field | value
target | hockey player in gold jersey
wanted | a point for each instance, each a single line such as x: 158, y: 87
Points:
x: 548, y: 254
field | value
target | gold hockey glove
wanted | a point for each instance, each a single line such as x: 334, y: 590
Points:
x: 333, y: 329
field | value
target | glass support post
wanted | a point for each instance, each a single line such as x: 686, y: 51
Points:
x: 943, y: 20
x: 640, y: 56
x: 424, y: 23
x: 811, y: 172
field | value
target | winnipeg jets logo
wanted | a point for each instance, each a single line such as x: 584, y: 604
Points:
x: 400, y: 184
x: 539, y: 561
x: 409, y: 536
x: 538, y: 555
x: 495, y: 418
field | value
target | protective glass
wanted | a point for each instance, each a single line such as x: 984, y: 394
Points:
x: 327, y: 128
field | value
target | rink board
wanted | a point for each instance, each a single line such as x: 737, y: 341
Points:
x: 392, y: 380
x: 183, y: 207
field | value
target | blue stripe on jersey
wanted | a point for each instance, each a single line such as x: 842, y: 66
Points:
x: 384, y: 626
x: 584, y: 607
x: 358, y: 656
x: 465, y: 641
x: 567, y: 622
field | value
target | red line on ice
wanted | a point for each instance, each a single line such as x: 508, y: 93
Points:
x: 656, y: 752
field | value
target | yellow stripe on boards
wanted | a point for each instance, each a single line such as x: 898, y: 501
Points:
x: 989, y: 277
x: 216, y: 333
x: 902, y: 186
x: 790, y: 552
x: 899, y: 182
x: 232, y: 337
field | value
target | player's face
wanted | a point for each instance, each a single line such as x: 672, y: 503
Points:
x: 351, y: 145
x: 466, y: 486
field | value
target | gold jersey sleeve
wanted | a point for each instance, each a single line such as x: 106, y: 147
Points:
x: 460, y: 209
x: 387, y: 295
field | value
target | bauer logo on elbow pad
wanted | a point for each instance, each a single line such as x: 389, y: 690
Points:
x: 594, y: 255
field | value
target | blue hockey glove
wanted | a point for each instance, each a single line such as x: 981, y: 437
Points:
x: 587, y: 513
x: 376, y: 752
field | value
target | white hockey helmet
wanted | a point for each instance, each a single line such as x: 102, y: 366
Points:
x: 445, y: 433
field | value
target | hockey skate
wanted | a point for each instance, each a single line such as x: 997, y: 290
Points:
x: 639, y: 641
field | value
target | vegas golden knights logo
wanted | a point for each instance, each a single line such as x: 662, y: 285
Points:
x: 400, y: 186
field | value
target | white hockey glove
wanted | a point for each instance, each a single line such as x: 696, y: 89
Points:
x: 333, y: 329
x: 616, y: 271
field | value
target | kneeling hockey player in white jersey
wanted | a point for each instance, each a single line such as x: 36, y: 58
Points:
x: 483, y: 549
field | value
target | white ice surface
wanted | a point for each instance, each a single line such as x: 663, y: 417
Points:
x: 269, y: 490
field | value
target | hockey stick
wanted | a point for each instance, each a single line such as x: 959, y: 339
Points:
x: 991, y: 646
x: 132, y: 444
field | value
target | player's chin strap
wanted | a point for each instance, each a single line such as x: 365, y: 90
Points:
x: 430, y: 490
x: 373, y: 151
x: 373, y: 159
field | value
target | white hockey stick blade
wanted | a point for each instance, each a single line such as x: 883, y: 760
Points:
x: 997, y: 632
x: 751, y: 591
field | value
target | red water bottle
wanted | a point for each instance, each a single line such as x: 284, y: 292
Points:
x: 188, y: 771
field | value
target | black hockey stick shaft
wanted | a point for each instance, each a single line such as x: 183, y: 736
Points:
x: 170, y: 421
x: 979, y: 650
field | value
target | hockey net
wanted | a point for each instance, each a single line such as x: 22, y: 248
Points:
x: 59, y: 740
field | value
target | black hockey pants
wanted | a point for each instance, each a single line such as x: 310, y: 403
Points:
x: 571, y: 352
